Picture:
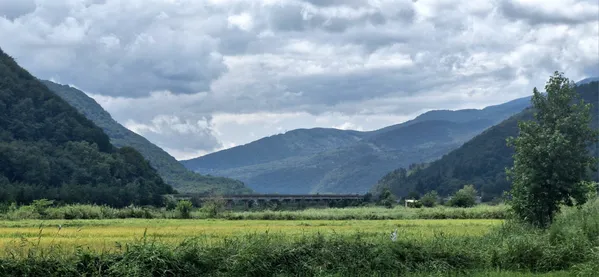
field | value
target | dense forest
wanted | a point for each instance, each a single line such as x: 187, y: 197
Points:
x: 173, y: 172
x: 49, y: 150
x: 480, y: 161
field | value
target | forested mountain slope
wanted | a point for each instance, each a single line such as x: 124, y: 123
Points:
x: 480, y: 161
x: 341, y: 161
x: 173, y: 172
x: 49, y: 150
x: 299, y: 142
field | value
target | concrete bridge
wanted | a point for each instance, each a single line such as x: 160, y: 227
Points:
x: 273, y: 197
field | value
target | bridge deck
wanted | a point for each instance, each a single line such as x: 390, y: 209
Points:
x: 283, y: 197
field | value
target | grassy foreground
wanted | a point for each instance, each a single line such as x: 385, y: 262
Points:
x: 568, y: 248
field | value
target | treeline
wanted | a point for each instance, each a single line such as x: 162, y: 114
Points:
x: 49, y: 150
x: 217, y: 209
x: 481, y: 161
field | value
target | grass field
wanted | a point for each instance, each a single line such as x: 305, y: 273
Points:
x: 226, y: 247
x: 104, y: 234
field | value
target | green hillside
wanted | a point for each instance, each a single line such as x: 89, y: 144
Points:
x: 173, y: 172
x: 300, y: 142
x: 481, y: 161
x: 344, y: 161
x: 49, y: 150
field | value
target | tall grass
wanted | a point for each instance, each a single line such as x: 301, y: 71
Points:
x: 358, y: 213
x: 78, y: 211
x: 569, y: 246
x: 376, y: 213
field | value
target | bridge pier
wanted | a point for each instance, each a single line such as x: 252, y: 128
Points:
x: 250, y: 200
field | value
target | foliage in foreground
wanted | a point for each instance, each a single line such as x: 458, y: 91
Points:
x: 570, y: 244
x: 552, y: 154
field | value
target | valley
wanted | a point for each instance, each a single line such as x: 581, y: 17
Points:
x: 409, y: 139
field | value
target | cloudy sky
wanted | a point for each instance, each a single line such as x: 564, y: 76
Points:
x: 196, y: 76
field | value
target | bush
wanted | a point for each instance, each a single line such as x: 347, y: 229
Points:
x: 40, y: 206
x: 184, y: 208
x: 465, y: 197
x: 387, y: 198
x: 170, y: 203
x: 430, y: 199
x: 213, y: 207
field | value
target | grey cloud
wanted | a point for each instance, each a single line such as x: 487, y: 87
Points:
x: 295, y: 17
x: 109, y: 54
x: 315, y: 58
x: 328, y: 3
x: 286, y: 18
x: 536, y: 15
x: 14, y: 9
x: 174, y: 133
x: 592, y: 70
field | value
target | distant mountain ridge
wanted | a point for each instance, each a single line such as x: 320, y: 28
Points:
x: 588, y: 80
x: 167, y: 166
x: 480, y: 161
x: 345, y: 161
x: 299, y: 142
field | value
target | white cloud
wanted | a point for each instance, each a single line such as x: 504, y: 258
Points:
x: 242, y: 21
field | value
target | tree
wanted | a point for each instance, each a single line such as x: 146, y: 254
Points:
x: 367, y: 198
x: 465, y: 197
x: 170, y: 203
x: 413, y: 195
x: 184, y: 208
x: 430, y: 199
x: 551, y: 160
x: 387, y: 198
x: 214, y: 206
x: 41, y: 206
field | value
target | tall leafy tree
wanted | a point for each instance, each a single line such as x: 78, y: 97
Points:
x: 551, y: 160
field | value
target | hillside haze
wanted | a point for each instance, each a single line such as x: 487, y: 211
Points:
x: 481, y: 161
x: 167, y: 166
x: 49, y: 150
x: 345, y: 161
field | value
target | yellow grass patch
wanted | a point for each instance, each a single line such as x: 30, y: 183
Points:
x: 105, y: 235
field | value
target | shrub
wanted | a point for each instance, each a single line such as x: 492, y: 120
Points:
x: 170, y: 203
x: 430, y: 199
x: 40, y: 206
x: 465, y: 197
x: 387, y: 198
x: 184, y: 208
x: 213, y: 207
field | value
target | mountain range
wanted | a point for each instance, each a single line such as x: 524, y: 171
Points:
x: 50, y: 150
x: 173, y: 172
x: 481, y: 161
x: 323, y: 160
